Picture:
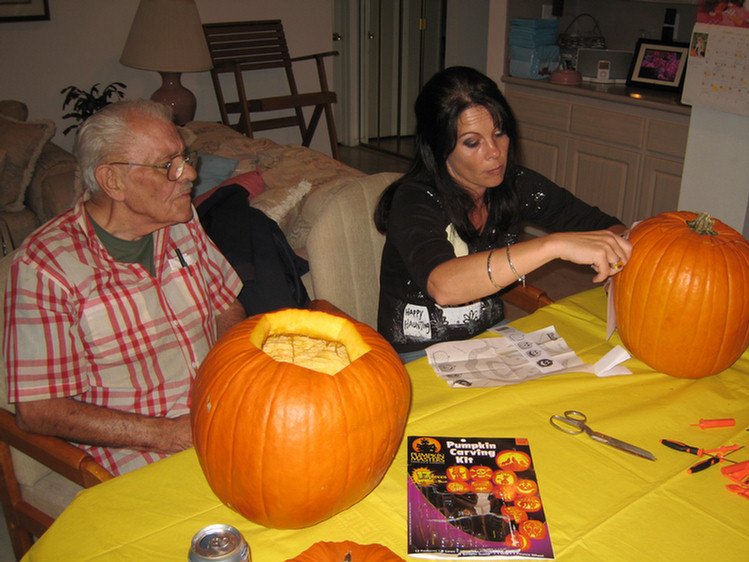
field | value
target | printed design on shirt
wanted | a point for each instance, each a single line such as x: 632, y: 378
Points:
x: 416, y: 323
x: 465, y: 314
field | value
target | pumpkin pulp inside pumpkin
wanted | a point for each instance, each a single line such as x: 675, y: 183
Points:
x: 315, y: 340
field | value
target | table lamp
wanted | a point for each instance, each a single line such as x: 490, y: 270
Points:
x: 167, y: 36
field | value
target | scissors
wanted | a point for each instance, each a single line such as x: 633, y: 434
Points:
x: 576, y: 420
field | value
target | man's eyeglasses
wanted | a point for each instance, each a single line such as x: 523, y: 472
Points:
x: 174, y: 168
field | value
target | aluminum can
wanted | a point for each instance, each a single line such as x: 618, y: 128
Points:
x: 219, y: 542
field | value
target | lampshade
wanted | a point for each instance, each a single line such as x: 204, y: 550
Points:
x: 167, y: 36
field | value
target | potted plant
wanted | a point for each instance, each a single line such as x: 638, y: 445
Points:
x: 89, y: 102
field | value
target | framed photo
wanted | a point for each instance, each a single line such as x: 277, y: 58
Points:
x: 23, y: 10
x: 658, y: 64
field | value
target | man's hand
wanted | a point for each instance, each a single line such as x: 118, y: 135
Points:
x: 180, y: 431
x: 232, y: 315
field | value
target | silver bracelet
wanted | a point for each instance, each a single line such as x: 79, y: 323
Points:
x: 520, y: 278
x: 489, y: 270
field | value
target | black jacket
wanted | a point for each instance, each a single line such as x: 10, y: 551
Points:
x: 257, y: 249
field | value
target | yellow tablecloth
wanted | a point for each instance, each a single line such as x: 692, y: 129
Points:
x: 601, y: 504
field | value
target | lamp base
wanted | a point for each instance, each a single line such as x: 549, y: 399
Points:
x: 175, y: 95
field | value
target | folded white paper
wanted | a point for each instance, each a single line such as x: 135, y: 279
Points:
x: 515, y: 357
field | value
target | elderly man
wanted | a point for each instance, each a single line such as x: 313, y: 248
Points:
x: 112, y: 306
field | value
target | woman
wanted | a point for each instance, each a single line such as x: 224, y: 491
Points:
x: 453, y: 221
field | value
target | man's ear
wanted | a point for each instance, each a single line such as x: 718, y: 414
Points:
x: 110, y: 181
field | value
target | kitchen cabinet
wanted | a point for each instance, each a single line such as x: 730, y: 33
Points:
x: 623, y: 157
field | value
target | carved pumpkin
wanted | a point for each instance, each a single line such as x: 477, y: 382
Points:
x: 286, y: 445
x: 346, y: 551
x: 681, y: 302
x: 516, y: 461
x: 533, y: 529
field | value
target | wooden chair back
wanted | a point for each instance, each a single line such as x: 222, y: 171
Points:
x: 240, y: 47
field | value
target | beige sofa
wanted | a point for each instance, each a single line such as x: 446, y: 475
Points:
x: 298, y: 181
x: 36, y: 175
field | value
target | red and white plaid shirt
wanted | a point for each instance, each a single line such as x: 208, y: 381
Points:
x: 80, y: 324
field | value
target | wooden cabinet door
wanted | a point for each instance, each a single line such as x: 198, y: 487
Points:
x: 659, y: 187
x: 604, y: 176
x: 544, y: 152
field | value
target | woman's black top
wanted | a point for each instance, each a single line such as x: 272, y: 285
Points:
x: 420, y: 237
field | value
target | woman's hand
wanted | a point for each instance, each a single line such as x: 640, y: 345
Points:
x: 465, y: 279
x: 606, y: 252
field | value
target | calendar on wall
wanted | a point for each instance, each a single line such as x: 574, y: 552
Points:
x: 717, y: 75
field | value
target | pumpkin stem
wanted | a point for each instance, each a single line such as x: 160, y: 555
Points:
x: 347, y: 558
x: 703, y: 224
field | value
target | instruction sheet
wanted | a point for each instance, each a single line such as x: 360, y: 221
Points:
x: 516, y: 357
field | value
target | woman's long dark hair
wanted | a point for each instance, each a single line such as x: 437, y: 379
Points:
x: 439, y: 105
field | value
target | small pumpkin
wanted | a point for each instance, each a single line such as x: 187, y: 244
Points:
x: 346, y: 551
x: 287, y: 445
x: 681, y: 302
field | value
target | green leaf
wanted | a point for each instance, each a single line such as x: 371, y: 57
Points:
x: 86, y: 103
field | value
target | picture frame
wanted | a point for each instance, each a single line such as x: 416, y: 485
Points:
x: 24, y: 10
x: 658, y: 64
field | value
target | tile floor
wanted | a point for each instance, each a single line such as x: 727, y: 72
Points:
x: 557, y: 279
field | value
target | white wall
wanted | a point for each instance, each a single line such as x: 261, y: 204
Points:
x: 82, y: 43
x: 464, y: 37
x: 716, y: 167
x: 496, y: 45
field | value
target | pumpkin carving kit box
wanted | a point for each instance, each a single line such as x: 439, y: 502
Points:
x: 474, y: 498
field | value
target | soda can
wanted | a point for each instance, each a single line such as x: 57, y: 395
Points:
x: 219, y: 542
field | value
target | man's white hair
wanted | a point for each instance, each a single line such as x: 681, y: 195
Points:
x: 108, y: 133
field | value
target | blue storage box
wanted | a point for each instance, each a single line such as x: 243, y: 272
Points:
x: 531, y: 33
x: 537, y: 63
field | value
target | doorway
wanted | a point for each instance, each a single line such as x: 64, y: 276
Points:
x: 401, y: 44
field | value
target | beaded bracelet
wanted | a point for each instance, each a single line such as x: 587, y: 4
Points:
x: 521, y: 278
x: 489, y: 270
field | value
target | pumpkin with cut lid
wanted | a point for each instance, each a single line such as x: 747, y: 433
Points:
x: 682, y: 301
x: 297, y: 415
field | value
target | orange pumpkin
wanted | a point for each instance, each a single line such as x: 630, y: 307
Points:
x: 346, y: 551
x: 286, y: 445
x: 682, y: 301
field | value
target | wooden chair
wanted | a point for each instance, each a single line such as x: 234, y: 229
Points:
x: 344, y: 249
x: 239, y: 47
x: 528, y: 298
x: 39, y: 475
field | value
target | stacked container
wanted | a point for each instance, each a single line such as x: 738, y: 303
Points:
x: 533, y: 50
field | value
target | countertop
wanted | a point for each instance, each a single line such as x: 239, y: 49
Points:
x: 619, y: 93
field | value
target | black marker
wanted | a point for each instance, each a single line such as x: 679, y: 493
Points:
x: 182, y: 261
